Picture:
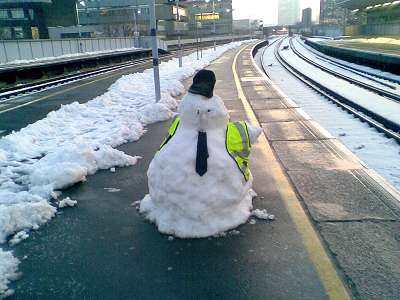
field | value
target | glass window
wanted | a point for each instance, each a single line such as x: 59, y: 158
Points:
x: 5, y: 33
x: 19, y: 33
x: 3, y: 14
x: 31, y: 14
x: 17, y: 13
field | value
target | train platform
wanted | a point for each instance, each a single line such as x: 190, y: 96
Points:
x: 335, y: 235
x: 376, y: 53
x: 45, y: 62
x: 386, y: 45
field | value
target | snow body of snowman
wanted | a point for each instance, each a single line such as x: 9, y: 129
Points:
x: 180, y: 201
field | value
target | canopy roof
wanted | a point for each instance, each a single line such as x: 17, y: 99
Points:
x: 354, y: 4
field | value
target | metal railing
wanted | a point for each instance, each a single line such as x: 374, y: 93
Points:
x: 19, y: 51
x: 24, y: 51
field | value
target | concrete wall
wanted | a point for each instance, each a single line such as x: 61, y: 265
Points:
x: 392, y: 28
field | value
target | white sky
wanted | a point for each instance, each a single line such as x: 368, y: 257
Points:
x: 266, y: 10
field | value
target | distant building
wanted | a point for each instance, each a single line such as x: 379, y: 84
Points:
x: 306, y: 17
x: 288, y: 12
x: 30, y: 19
x: 204, y: 16
x: 247, y: 26
x: 330, y: 13
x: 125, y: 18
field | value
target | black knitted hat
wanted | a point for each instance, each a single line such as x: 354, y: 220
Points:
x: 203, y: 83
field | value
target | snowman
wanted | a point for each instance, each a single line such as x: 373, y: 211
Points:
x: 199, y: 181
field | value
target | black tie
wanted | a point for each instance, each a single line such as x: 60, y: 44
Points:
x: 202, y: 153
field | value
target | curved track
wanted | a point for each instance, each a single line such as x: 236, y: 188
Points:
x: 375, y: 89
x: 388, y: 127
x: 343, y: 65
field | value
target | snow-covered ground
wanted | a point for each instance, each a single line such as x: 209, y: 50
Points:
x: 76, y: 141
x: 377, y: 151
x: 371, y: 80
x: 71, y: 55
x: 382, y: 106
x: 361, y: 68
x: 376, y: 40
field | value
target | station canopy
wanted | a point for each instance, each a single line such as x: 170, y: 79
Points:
x: 359, y: 4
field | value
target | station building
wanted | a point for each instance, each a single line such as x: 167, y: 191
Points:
x: 205, y: 14
x: 288, y: 12
x: 121, y: 18
x: 31, y: 19
x: 372, y: 17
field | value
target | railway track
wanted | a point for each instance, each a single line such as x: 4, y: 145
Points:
x: 390, y: 95
x: 387, y: 127
x: 10, y: 94
x: 343, y: 65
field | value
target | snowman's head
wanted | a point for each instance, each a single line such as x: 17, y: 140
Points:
x: 202, y: 113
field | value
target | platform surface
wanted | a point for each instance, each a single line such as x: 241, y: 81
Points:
x: 104, y: 249
x: 363, y: 44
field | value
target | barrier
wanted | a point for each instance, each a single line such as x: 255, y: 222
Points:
x: 19, y: 51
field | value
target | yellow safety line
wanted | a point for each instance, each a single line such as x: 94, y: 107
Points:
x: 331, y: 281
x: 58, y: 93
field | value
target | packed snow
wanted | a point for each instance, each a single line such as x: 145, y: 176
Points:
x: 180, y: 201
x: 78, y: 140
x: 376, y: 150
x: 262, y: 214
x: 67, y: 202
x: 8, y: 272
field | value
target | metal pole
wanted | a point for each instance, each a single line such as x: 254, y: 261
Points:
x: 79, y: 26
x: 197, y: 38
x: 214, y: 31
x: 153, y: 33
x: 135, y: 27
x: 179, y: 36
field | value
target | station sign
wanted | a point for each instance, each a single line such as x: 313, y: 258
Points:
x: 207, y: 17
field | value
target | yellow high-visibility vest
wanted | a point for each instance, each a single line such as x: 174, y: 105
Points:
x: 237, y: 143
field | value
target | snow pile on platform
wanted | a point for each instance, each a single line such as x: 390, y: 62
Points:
x: 8, y: 272
x: 78, y: 139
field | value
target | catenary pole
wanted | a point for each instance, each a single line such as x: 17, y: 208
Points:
x: 153, y: 33
x: 214, y: 31
x: 79, y: 27
x: 179, y: 36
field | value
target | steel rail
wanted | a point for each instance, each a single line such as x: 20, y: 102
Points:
x: 346, y: 66
x: 22, y: 90
x: 387, y: 127
x: 264, y: 69
x: 376, y: 90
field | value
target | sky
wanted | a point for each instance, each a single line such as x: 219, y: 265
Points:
x: 266, y: 10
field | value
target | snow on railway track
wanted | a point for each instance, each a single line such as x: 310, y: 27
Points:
x: 372, y: 83
x: 379, y: 111
x: 379, y: 152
